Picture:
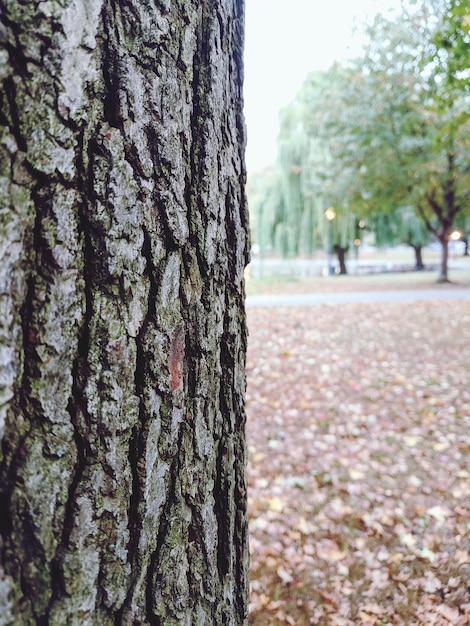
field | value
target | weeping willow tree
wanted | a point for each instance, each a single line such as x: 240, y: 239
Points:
x: 401, y: 226
x: 313, y: 179
x: 284, y: 198
x: 292, y: 163
x: 266, y: 204
x: 413, y: 232
x: 338, y: 234
x: 287, y: 200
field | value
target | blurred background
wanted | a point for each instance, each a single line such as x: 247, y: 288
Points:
x: 358, y: 130
x: 358, y: 403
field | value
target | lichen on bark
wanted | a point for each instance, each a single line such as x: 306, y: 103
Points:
x: 123, y: 237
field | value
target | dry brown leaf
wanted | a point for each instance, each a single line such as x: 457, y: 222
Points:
x: 358, y: 471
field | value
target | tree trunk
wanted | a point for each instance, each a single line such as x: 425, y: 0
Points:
x: 419, y: 265
x: 443, y: 268
x: 340, y: 253
x: 122, y: 328
x: 465, y: 240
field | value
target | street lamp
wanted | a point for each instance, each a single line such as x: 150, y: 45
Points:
x: 330, y: 215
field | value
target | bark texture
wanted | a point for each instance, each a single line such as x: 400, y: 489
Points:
x: 123, y: 234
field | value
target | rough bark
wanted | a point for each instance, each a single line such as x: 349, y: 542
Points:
x: 122, y: 329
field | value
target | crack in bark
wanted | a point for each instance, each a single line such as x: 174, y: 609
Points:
x: 137, y: 440
x: 76, y: 406
x: 113, y: 68
x: 155, y: 579
x: 15, y: 447
x: 15, y: 126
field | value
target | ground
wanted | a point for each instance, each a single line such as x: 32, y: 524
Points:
x: 359, y: 461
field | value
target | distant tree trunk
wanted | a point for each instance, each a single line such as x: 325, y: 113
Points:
x: 340, y: 253
x: 419, y: 265
x: 443, y: 268
x: 122, y: 329
x: 465, y: 240
x: 445, y: 210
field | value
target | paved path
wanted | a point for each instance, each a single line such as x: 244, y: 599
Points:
x: 357, y: 296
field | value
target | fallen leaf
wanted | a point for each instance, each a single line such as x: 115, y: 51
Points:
x: 329, y: 599
x: 276, y: 504
x: 450, y: 614
x: 284, y: 575
x: 438, y: 512
x: 330, y: 552
x: 348, y: 494
x: 431, y: 583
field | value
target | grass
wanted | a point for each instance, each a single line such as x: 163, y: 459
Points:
x: 459, y: 277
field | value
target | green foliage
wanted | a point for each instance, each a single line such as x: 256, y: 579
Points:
x: 398, y: 133
x: 282, y: 202
x: 266, y: 207
x: 451, y: 46
x: 384, y: 137
x: 402, y: 225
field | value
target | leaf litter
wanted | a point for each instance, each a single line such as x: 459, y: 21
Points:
x: 358, y: 427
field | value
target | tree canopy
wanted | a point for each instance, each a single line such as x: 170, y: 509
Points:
x: 387, y: 133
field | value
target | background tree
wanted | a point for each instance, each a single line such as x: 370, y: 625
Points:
x: 339, y: 233
x: 266, y: 207
x: 387, y: 130
x: 451, y: 46
x: 122, y: 331
x: 288, y: 200
x: 402, y: 123
x: 306, y: 161
x: 299, y: 193
x: 402, y: 226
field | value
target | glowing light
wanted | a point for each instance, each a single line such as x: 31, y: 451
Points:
x: 330, y: 214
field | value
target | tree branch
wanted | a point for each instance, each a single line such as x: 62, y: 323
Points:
x: 426, y: 221
x: 435, y: 206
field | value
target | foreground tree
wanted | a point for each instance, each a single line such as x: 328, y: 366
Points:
x: 122, y: 331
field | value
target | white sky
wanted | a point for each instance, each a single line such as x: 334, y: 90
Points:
x: 284, y: 41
